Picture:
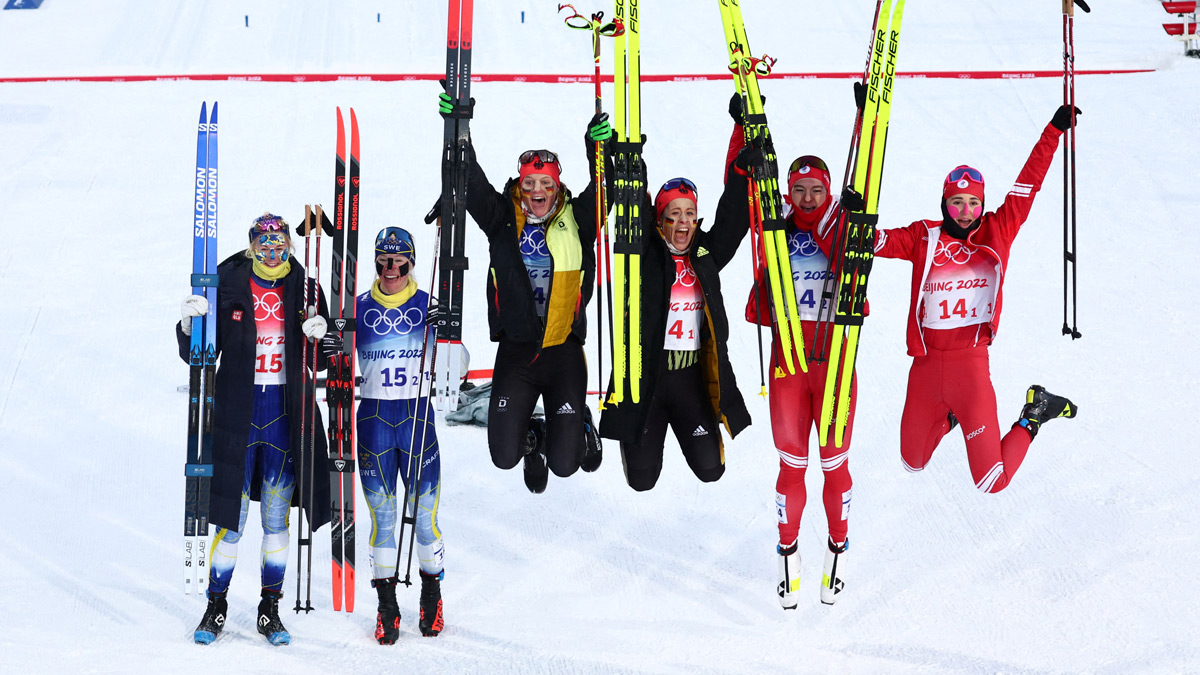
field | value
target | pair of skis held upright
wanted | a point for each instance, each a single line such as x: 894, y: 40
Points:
x: 845, y: 294
x: 340, y: 381
x: 202, y: 360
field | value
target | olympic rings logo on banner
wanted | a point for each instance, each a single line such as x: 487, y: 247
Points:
x: 802, y: 245
x: 953, y: 252
x: 268, y: 307
x: 393, y: 320
x: 532, y: 244
x: 684, y: 274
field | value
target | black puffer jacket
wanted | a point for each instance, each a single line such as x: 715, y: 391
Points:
x: 234, y: 394
x: 711, y: 251
x: 512, y: 309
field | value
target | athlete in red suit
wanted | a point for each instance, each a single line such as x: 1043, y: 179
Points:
x: 959, y: 265
x: 795, y: 399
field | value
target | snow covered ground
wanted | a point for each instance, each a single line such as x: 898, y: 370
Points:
x: 1085, y: 564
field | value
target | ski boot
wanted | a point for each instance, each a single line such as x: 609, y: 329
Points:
x: 268, y: 618
x: 431, y: 604
x: 1041, y: 406
x: 213, y: 620
x: 593, y: 451
x: 789, y: 575
x: 831, y: 577
x: 537, y: 473
x: 387, y: 621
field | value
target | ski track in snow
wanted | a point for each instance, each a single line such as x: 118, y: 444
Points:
x: 1084, y: 564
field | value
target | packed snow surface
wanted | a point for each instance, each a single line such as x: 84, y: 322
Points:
x: 1086, y: 563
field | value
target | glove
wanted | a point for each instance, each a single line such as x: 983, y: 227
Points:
x: 852, y: 201
x: 598, y: 128
x: 193, y: 306
x: 314, y: 327
x: 330, y: 345
x: 1062, y: 117
x: 735, y: 108
x: 860, y: 95
x: 448, y: 109
x: 748, y: 159
x: 432, y: 313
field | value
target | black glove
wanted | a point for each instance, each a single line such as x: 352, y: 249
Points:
x: 860, y: 95
x: 432, y: 313
x: 852, y: 201
x: 749, y: 158
x: 736, y: 111
x: 1062, y: 117
x: 448, y: 109
x: 331, y: 344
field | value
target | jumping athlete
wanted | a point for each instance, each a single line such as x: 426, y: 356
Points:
x: 687, y: 381
x: 959, y: 263
x: 540, y: 280
x: 795, y: 399
x: 261, y: 323
x: 396, y: 428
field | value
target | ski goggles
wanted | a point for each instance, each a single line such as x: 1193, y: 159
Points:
x: 543, y: 156
x: 269, y: 222
x: 810, y: 161
x: 964, y: 172
x: 680, y: 184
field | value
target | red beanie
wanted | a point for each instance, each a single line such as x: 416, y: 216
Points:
x: 539, y: 161
x: 963, y: 180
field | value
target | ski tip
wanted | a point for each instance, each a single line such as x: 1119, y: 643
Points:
x: 213, y: 118
x: 203, y: 112
x: 339, y: 115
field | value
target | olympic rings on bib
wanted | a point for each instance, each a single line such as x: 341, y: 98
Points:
x: 396, y: 320
x: 268, y: 307
x: 953, y: 252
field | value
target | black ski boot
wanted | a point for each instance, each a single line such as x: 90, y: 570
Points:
x: 1040, y: 407
x: 387, y: 621
x: 268, y: 618
x: 213, y: 620
x: 593, y: 451
x: 537, y: 473
x: 431, y: 605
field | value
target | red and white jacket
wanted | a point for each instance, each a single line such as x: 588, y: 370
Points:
x: 995, y: 235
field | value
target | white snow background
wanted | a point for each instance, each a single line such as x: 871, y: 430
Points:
x: 1086, y: 563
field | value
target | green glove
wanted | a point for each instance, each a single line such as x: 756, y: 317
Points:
x: 445, y: 104
x: 598, y: 128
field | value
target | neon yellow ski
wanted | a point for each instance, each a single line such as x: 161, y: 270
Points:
x: 860, y: 236
x: 768, y: 203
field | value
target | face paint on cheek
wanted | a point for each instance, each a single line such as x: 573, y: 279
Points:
x: 976, y: 212
x: 954, y: 211
x: 402, y: 270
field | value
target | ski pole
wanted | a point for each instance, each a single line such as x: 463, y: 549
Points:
x: 598, y: 28
x: 1070, y: 297
x: 301, y: 540
x: 414, y: 482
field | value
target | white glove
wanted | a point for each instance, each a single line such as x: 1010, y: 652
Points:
x: 193, y: 306
x: 314, y: 327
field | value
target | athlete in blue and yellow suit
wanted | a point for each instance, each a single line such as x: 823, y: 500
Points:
x: 396, y: 428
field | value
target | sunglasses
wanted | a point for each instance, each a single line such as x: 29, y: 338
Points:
x: 681, y: 184
x: 543, y: 156
x: 810, y: 161
x: 966, y: 171
x: 269, y: 222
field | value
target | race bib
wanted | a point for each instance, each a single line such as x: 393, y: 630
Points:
x: 390, y: 342
x: 961, y: 287
x: 686, y: 309
x: 536, y: 255
x: 810, y: 269
x: 268, y: 322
